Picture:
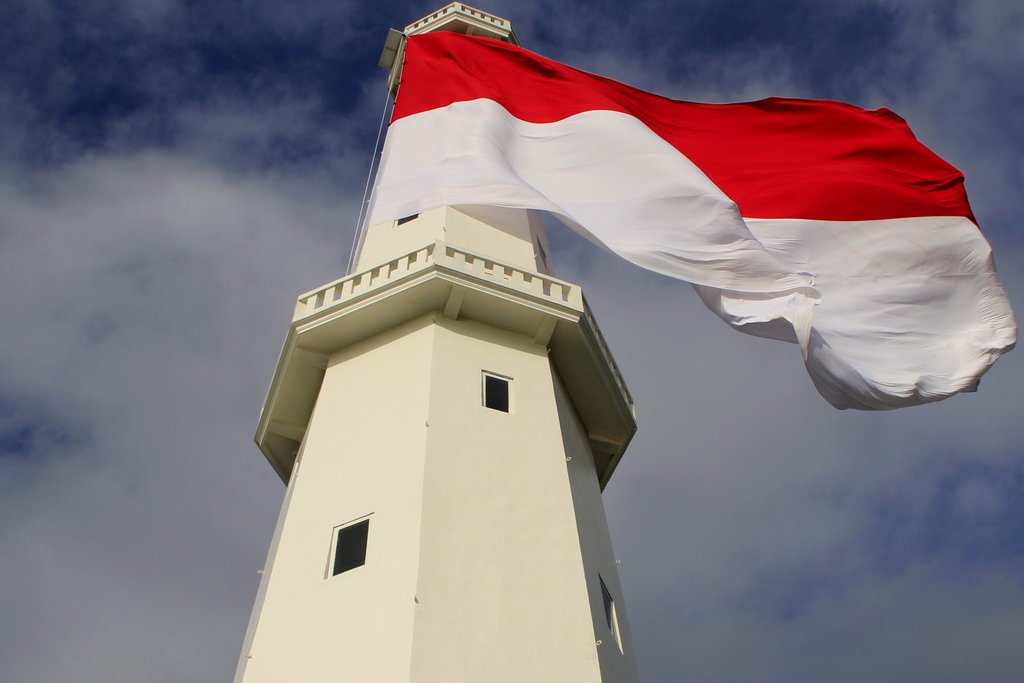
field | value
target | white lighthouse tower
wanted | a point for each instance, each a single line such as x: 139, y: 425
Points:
x: 445, y: 418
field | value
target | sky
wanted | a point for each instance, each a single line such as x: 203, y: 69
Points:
x: 174, y: 174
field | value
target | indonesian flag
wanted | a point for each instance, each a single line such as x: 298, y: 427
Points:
x: 814, y: 222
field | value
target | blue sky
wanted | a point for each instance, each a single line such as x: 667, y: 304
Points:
x: 173, y: 174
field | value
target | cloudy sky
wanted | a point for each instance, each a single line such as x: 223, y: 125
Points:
x: 173, y: 174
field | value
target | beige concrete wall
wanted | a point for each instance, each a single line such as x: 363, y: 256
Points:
x: 363, y: 455
x: 514, y: 236
x: 616, y: 651
x: 486, y: 535
x: 502, y: 595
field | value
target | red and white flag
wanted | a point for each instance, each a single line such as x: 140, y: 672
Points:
x: 814, y: 222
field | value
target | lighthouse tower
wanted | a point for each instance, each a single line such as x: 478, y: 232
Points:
x: 445, y: 419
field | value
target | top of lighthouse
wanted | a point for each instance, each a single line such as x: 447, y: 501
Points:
x: 456, y: 17
x: 462, y: 18
x: 479, y: 264
x: 514, y: 236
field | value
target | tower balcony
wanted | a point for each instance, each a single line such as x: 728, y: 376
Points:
x: 442, y: 280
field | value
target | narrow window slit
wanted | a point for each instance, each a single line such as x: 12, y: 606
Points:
x: 611, y: 619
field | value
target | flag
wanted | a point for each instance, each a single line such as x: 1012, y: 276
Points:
x: 809, y: 221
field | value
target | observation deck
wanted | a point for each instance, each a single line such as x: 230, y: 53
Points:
x: 448, y: 281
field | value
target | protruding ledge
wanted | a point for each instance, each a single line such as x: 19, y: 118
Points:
x: 456, y: 283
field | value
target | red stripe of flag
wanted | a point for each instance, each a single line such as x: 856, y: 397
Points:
x: 776, y: 158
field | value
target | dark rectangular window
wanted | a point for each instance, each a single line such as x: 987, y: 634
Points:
x: 350, y: 547
x: 609, y: 604
x: 611, y: 618
x: 543, y: 254
x: 406, y: 219
x: 496, y: 393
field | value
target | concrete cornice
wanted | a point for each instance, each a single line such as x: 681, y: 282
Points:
x: 441, y: 279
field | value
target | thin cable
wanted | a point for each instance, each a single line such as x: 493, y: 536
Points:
x: 364, y: 215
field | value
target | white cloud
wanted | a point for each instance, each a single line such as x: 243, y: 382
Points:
x: 144, y: 299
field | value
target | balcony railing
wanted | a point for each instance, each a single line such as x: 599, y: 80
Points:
x: 446, y: 257
x: 442, y: 255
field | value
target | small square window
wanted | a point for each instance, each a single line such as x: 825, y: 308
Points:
x: 496, y: 393
x: 350, y: 547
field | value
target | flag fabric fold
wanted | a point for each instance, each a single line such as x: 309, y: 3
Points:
x: 814, y: 222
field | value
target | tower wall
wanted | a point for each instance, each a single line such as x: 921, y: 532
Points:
x: 615, y: 648
x: 486, y: 532
x: 516, y: 234
x: 503, y: 595
x: 363, y: 455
